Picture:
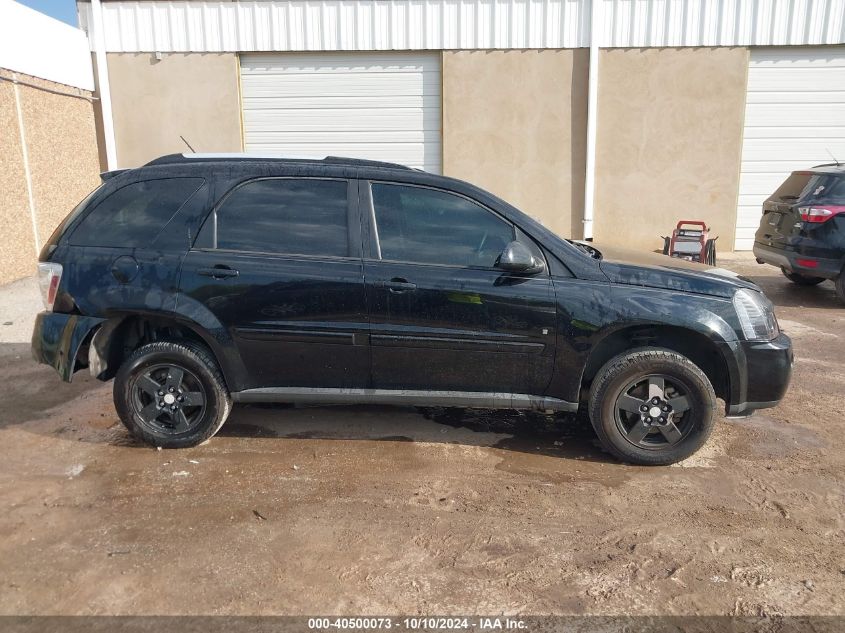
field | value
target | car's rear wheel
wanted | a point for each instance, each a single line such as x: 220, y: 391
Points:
x: 652, y: 407
x: 171, y: 394
x: 801, y: 280
x: 840, y: 285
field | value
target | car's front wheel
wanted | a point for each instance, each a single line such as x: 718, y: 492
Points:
x: 652, y: 407
x: 801, y: 280
x: 171, y: 394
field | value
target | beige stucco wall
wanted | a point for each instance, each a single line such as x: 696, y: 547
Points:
x: 155, y: 101
x: 17, y: 247
x: 63, y: 165
x: 670, y: 125
x: 514, y: 123
x: 63, y: 159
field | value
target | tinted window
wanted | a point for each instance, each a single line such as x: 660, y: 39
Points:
x: 428, y: 226
x: 285, y: 216
x: 57, y: 233
x: 134, y: 215
x: 826, y: 189
x: 793, y: 188
x: 808, y: 187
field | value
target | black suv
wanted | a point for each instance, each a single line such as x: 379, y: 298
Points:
x: 802, y: 230
x: 198, y: 281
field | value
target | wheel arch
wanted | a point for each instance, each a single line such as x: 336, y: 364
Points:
x: 703, y: 351
x: 122, y: 334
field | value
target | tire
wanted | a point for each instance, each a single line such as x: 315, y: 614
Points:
x: 710, y: 251
x: 801, y: 280
x: 840, y: 285
x: 150, y: 378
x: 638, y: 375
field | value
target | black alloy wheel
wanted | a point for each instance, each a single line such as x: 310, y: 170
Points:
x: 654, y: 411
x: 171, y: 394
x: 651, y: 406
x: 169, y: 399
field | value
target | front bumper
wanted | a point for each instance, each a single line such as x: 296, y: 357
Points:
x: 761, y: 374
x: 827, y: 268
x: 57, y: 339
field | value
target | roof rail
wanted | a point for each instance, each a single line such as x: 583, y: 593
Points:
x: 364, y: 162
x: 243, y: 156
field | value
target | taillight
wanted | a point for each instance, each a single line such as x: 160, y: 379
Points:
x: 817, y: 215
x: 49, y: 276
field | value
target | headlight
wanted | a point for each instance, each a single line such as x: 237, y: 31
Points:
x: 756, y: 316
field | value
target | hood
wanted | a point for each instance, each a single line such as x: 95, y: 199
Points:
x: 623, y: 266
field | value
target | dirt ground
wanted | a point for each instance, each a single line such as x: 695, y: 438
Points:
x: 371, y: 510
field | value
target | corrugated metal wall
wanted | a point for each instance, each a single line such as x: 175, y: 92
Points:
x: 350, y: 25
x: 662, y: 23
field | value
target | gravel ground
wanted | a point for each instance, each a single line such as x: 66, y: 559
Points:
x: 376, y: 510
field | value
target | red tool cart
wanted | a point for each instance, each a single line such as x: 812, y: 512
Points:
x: 691, y: 241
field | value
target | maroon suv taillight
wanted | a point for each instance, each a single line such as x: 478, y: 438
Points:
x: 49, y: 276
x: 819, y: 214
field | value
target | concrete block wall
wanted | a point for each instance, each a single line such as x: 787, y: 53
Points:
x: 48, y: 163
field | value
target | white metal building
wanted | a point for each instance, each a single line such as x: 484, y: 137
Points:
x: 414, y: 81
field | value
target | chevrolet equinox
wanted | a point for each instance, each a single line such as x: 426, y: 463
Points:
x: 199, y: 281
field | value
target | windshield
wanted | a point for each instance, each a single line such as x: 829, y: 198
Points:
x: 809, y: 187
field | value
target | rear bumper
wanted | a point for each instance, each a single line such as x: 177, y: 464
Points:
x: 762, y: 374
x: 57, y: 338
x: 827, y: 267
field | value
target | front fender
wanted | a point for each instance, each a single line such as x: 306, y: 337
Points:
x: 57, y: 338
x: 590, y: 314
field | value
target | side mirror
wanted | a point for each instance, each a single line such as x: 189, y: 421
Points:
x: 516, y: 258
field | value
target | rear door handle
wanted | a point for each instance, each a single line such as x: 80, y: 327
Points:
x: 218, y: 272
x: 397, y: 285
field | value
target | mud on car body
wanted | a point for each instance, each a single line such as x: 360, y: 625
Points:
x: 199, y: 281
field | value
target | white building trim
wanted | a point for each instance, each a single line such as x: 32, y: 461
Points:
x: 370, y: 25
x: 592, y: 122
x: 103, y: 86
x: 665, y: 23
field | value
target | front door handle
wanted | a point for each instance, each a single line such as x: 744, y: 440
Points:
x: 218, y: 272
x: 397, y: 285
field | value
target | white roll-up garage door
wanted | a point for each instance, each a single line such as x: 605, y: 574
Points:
x: 380, y: 106
x: 794, y: 119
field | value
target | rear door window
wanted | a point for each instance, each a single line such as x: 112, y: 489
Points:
x: 134, y: 215
x: 285, y: 216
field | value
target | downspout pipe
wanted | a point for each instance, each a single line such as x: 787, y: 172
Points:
x: 97, y: 36
x: 592, y: 115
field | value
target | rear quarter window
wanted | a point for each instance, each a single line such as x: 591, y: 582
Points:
x: 134, y: 215
x: 826, y: 189
x: 285, y: 216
